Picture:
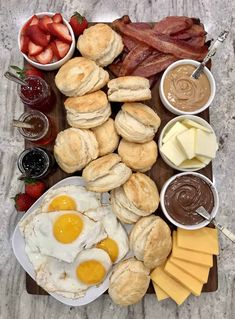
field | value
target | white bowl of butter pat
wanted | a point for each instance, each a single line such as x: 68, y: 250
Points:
x: 198, y: 162
x: 181, y: 94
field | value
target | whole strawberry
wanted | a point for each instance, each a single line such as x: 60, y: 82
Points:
x: 78, y: 23
x: 34, y: 187
x: 28, y: 70
x: 23, y: 202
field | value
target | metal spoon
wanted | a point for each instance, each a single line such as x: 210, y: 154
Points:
x: 12, y: 77
x: 223, y: 35
x: 17, y: 123
x: 204, y: 213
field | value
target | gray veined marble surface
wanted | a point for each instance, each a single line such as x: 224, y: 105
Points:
x: 217, y: 15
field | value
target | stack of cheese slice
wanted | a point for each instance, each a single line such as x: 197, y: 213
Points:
x: 188, y: 144
x: 188, y: 266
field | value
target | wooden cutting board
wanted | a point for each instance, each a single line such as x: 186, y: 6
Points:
x: 160, y: 172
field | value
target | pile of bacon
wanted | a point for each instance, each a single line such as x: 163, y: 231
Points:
x: 148, y: 50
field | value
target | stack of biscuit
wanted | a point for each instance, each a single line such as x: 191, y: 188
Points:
x: 100, y: 43
x: 136, y: 198
x: 75, y: 148
x: 80, y: 76
x: 87, y: 111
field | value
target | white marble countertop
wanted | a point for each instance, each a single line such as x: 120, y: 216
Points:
x: 217, y: 15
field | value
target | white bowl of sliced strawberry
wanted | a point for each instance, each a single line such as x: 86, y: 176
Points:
x: 46, y: 41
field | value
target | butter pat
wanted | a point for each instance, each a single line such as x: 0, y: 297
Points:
x: 191, y: 283
x: 203, y: 159
x: 161, y: 295
x: 173, y: 152
x: 190, y: 255
x: 204, y: 240
x: 193, y: 163
x: 176, y: 129
x: 173, y: 288
x: 199, y: 272
x: 190, y: 123
x: 205, y: 144
x: 187, y: 141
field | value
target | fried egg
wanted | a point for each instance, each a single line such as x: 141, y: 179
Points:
x: 72, y: 280
x: 61, y: 234
x: 70, y: 197
x: 116, y: 244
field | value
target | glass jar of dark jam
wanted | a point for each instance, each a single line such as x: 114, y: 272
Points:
x: 36, y: 162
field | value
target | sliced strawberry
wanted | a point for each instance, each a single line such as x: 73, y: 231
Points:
x: 37, y: 36
x: 34, y: 49
x: 60, y: 31
x: 44, y: 22
x: 57, y: 18
x: 62, y: 48
x: 48, y: 36
x: 45, y: 56
x: 31, y: 57
x: 33, y: 20
x: 24, y: 44
x: 55, y: 50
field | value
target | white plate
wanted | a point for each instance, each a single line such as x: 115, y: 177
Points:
x: 18, y: 245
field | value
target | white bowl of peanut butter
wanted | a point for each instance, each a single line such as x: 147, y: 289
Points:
x: 181, y: 94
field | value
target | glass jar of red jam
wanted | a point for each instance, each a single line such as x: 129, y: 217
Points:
x: 43, y: 131
x: 36, y: 162
x: 37, y: 94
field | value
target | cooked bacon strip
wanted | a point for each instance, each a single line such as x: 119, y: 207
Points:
x: 161, y: 42
x: 129, y: 42
x: 134, y: 58
x: 196, y: 30
x: 141, y: 25
x: 173, y: 24
x: 154, y: 64
x: 197, y: 42
x: 115, y: 68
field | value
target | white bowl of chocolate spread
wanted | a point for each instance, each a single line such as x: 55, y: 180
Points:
x: 182, y: 94
x: 182, y: 194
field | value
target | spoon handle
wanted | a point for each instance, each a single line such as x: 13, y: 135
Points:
x: 12, y: 77
x: 225, y: 231
x: 223, y: 35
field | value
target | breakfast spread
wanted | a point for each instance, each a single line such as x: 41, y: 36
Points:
x: 187, y: 268
x: 188, y: 144
x: 46, y: 39
x: 183, y: 91
x: 73, y: 240
x: 184, y: 195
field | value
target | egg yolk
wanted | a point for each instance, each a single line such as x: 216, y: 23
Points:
x: 91, y: 272
x: 67, y: 228
x: 62, y: 202
x: 110, y: 246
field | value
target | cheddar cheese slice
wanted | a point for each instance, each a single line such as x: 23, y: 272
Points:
x: 204, y: 240
x: 191, y: 283
x: 161, y: 295
x: 173, y: 288
x: 190, y: 255
x: 199, y: 272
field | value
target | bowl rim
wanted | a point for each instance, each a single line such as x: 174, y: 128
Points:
x: 174, y: 222
x: 179, y: 118
x: 41, y: 14
x: 173, y: 109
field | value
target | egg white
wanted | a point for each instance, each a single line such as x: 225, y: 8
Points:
x: 37, y: 230
x: 60, y: 277
x: 112, y: 227
x: 83, y: 198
